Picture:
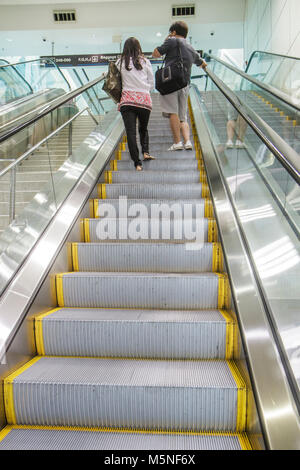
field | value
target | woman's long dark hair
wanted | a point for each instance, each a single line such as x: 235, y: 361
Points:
x: 132, y: 50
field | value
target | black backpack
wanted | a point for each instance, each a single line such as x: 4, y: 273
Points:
x: 172, y: 78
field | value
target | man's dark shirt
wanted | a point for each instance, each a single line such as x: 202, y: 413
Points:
x: 171, y: 52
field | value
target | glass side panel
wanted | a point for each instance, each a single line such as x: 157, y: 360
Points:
x: 281, y: 72
x: 282, y: 118
x: 267, y: 201
x: 33, y: 189
x: 12, y: 85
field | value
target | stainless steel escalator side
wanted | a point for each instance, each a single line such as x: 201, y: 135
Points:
x: 278, y: 413
x: 28, y: 293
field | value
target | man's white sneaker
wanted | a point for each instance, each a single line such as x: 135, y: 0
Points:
x: 230, y: 144
x: 175, y: 147
x: 188, y: 145
x: 240, y: 144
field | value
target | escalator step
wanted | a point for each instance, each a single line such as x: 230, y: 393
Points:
x: 147, y: 257
x: 111, y: 229
x: 182, y: 155
x: 140, y: 334
x: 153, y: 191
x: 124, y: 207
x: 158, y: 165
x: 155, y: 177
x: 134, y: 394
x: 55, y: 438
x: 143, y: 290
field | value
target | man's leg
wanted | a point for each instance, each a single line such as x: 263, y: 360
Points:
x: 183, y: 96
x: 175, y: 128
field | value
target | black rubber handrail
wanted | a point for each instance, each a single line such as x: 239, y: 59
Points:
x: 269, y: 53
x: 38, y: 60
x: 268, y: 88
x: 55, y: 104
x: 287, y: 156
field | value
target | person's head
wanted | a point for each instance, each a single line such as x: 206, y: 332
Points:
x: 132, y: 50
x: 180, y: 28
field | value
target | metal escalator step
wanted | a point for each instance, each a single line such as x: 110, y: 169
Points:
x: 187, y: 177
x: 158, y: 165
x: 59, y: 438
x: 140, y: 334
x: 111, y: 229
x: 143, y: 290
x: 153, y: 191
x: 161, y: 153
x: 135, y: 394
x: 165, y: 208
x: 147, y: 257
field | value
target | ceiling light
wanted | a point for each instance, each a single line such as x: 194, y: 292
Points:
x: 158, y: 35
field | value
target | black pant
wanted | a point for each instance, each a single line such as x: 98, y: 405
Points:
x: 130, y: 114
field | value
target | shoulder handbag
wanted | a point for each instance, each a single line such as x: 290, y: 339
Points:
x: 113, y: 82
x: 171, y: 78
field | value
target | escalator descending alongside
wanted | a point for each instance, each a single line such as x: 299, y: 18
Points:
x: 140, y: 351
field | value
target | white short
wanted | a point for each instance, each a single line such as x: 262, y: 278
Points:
x: 175, y: 103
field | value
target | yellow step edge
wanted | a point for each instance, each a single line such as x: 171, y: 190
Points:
x: 231, y: 332
x: 74, y: 249
x: 39, y: 338
x: 224, y: 294
x: 96, y: 208
x: 91, y: 206
x: 212, y: 231
x: 205, y: 191
x: 217, y: 262
x: 81, y: 229
x: 241, y: 420
x: 4, y: 432
x: 208, y: 209
x: 86, y: 225
x: 101, y: 191
x: 108, y: 177
x: 60, y: 289
x: 244, y: 441
x: 9, y: 392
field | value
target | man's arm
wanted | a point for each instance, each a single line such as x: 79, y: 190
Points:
x: 156, y: 54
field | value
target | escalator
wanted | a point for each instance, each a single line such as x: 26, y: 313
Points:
x: 141, y: 335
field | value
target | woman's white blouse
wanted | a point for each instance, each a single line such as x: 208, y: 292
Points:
x: 137, y: 80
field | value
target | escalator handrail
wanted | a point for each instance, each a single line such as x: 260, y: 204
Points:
x: 7, y: 64
x: 287, y: 156
x: 49, y: 108
x: 269, y: 53
x: 38, y: 60
x: 268, y: 88
x: 27, y: 154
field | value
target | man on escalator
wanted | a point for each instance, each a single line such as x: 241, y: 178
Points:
x: 175, y: 105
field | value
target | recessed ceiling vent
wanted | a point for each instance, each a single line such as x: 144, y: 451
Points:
x: 64, y: 16
x: 183, y: 10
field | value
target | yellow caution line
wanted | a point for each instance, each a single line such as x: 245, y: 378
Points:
x: 75, y: 257
x: 217, y: 261
x: 129, y: 431
x: 241, y: 397
x: 91, y: 204
x: 81, y: 228
x: 224, y: 292
x: 9, y: 392
x: 108, y: 177
x: 231, y: 332
x: 212, y: 231
x: 102, y: 191
x: 60, y: 290
x: 5, y: 432
x: 208, y: 209
x: 39, y: 338
x: 96, y: 209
